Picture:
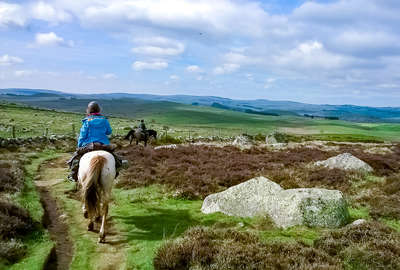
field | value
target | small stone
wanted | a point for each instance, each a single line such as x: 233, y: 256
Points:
x: 358, y: 222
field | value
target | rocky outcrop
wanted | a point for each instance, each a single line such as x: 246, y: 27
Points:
x: 345, y: 161
x: 242, y: 140
x: 167, y: 146
x: 270, y: 139
x: 313, y: 207
x: 243, y: 200
x: 260, y: 196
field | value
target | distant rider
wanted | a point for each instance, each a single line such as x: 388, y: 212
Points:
x: 142, y: 126
x: 93, y: 136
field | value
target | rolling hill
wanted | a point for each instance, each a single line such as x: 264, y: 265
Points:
x: 140, y: 103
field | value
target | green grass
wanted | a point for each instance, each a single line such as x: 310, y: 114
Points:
x: 359, y: 213
x: 149, y: 216
x: 84, y: 246
x: 185, y: 120
x: 395, y: 224
x: 38, y: 243
x: 298, y: 233
x: 30, y: 122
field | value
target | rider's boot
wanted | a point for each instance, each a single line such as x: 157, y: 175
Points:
x: 73, y: 175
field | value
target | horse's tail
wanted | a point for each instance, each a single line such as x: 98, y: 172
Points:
x: 92, y: 188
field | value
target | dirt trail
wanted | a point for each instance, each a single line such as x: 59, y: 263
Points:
x: 59, y: 221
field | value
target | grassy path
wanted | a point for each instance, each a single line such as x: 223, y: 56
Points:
x: 87, y: 253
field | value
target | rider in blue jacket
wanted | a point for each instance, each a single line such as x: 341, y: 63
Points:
x: 93, y: 136
x: 95, y: 128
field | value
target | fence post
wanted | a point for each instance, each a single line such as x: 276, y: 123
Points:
x: 47, y: 132
x: 13, y: 131
x: 73, y: 129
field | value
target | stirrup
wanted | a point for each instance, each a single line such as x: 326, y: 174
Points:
x: 71, y: 179
x: 124, y: 164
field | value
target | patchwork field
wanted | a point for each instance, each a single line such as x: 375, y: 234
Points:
x: 186, y: 121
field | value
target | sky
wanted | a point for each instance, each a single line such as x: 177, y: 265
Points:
x: 320, y: 52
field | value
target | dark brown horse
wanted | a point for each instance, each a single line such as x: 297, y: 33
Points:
x: 140, y: 135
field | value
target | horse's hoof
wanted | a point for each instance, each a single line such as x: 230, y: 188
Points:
x: 86, y: 214
x: 102, y: 239
x: 90, y: 227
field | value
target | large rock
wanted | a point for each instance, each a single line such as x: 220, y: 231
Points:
x: 242, y: 140
x: 345, y: 161
x: 244, y: 200
x: 313, y: 207
x: 259, y: 196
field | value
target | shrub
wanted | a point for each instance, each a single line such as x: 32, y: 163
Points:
x: 14, y: 221
x: 208, y: 248
x: 12, y: 250
x: 384, y: 199
x: 11, y: 176
x: 197, y: 171
x: 370, y: 245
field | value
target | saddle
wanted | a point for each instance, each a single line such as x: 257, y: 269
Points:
x: 95, y: 147
x: 89, y: 148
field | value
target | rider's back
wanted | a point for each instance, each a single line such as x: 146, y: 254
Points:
x: 95, y: 128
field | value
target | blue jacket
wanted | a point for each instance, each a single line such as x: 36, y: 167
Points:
x: 95, y: 128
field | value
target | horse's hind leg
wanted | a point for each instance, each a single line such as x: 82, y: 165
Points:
x: 90, y: 226
x: 102, y: 236
x: 85, y: 212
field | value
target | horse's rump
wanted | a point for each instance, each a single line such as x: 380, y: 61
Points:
x: 91, y: 185
x: 96, y: 176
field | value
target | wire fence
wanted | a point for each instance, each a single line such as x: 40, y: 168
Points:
x: 71, y: 129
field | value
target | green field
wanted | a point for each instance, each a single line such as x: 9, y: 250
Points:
x: 185, y: 120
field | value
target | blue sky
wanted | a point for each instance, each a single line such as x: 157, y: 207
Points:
x: 334, y: 52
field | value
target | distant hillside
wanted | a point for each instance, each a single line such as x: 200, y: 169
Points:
x: 139, y: 102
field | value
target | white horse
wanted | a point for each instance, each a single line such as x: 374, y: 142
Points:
x: 96, y: 176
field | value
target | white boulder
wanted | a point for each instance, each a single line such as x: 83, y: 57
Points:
x: 345, y: 161
x: 244, y: 200
x: 313, y: 207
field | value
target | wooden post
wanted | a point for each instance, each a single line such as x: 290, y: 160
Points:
x: 73, y: 129
x: 47, y: 132
x: 13, y: 131
x: 189, y: 134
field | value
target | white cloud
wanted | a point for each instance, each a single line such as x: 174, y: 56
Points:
x: 222, y: 16
x: 46, y: 12
x: 234, y: 57
x: 310, y: 55
x: 194, y: 69
x: 356, y: 42
x: 174, y: 77
x: 226, y: 68
x: 389, y: 85
x: 11, y: 15
x: 23, y: 73
x: 158, y: 46
x: 7, y: 60
x: 51, y: 39
x: 109, y: 76
x: 155, y: 65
